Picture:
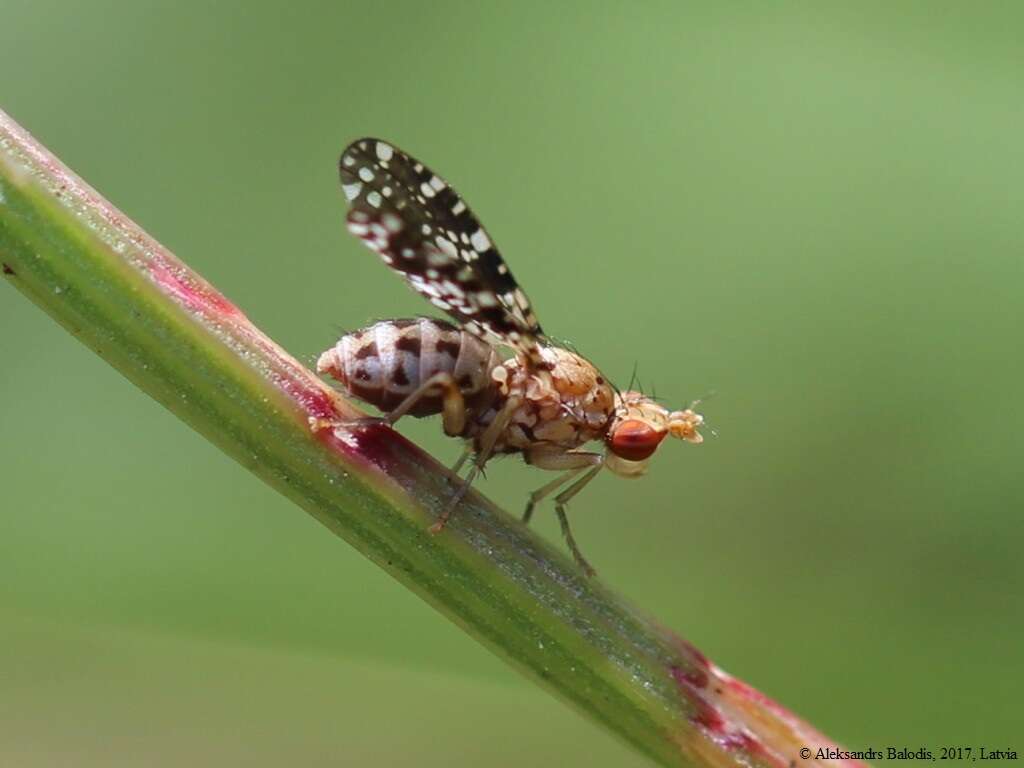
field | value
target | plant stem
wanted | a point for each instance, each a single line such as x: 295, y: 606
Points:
x: 170, y: 332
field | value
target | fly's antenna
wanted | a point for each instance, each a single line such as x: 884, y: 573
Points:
x: 703, y: 398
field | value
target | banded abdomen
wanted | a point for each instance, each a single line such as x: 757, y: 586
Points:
x: 386, y: 362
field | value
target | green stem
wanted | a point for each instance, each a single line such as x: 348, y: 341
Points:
x: 171, y: 333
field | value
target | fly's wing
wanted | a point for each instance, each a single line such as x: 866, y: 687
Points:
x: 423, y: 230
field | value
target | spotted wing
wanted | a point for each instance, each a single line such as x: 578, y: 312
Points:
x: 423, y: 230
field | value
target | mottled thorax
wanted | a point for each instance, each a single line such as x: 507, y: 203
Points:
x: 565, y: 404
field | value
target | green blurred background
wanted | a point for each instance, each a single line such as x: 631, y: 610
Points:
x: 813, y: 210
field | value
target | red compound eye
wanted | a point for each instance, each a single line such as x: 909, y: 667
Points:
x: 634, y: 440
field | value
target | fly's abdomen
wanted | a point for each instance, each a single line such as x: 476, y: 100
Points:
x: 386, y: 362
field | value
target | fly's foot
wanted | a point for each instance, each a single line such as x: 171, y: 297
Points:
x: 528, y: 512
x: 581, y: 561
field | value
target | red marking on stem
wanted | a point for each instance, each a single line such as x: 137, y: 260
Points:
x: 315, y: 402
x: 782, y: 728
x: 752, y: 694
x: 699, y: 666
x: 694, y: 652
x: 742, y: 740
x: 708, y: 717
x: 690, y: 684
x: 378, y: 444
x: 695, y: 676
x: 176, y: 281
x: 193, y: 294
x: 198, y: 297
x: 713, y: 713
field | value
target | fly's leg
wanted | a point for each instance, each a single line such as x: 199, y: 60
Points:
x: 572, y: 462
x: 487, y: 443
x: 546, y: 490
x: 453, y: 478
x: 457, y: 466
x: 453, y: 404
x: 560, y: 501
x: 453, y: 407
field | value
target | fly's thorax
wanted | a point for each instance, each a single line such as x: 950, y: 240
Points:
x: 567, y: 403
x: 386, y: 362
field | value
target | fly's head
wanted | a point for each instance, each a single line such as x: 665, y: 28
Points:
x: 638, y: 427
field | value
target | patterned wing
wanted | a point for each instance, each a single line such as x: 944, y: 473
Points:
x: 423, y: 230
